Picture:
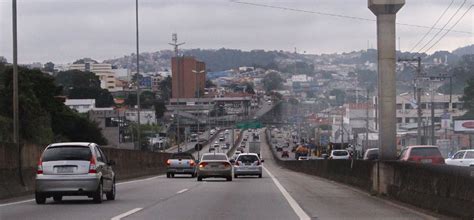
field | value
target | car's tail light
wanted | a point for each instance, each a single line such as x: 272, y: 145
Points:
x: 258, y: 163
x: 226, y: 164
x: 203, y: 164
x: 39, y: 170
x: 92, y: 165
x: 192, y: 163
x: 237, y: 163
x: 168, y: 162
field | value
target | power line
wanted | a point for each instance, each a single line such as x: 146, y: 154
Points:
x: 460, y: 18
x: 334, y: 15
x: 434, y: 25
x: 442, y: 29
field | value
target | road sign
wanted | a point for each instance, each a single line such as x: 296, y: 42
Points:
x: 198, y: 147
x: 250, y: 124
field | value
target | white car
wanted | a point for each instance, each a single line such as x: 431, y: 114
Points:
x: 340, y: 155
x: 462, y: 158
x: 212, y: 132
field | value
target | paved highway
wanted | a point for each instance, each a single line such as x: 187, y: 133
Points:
x: 280, y: 194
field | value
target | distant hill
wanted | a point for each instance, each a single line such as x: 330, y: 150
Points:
x: 224, y: 59
x: 464, y: 50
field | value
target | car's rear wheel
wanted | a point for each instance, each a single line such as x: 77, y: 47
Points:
x: 229, y: 178
x: 199, y: 178
x: 236, y: 176
x: 111, y: 195
x: 168, y: 175
x: 259, y: 175
x: 172, y: 175
x: 97, y: 197
x: 57, y: 198
x: 40, y: 198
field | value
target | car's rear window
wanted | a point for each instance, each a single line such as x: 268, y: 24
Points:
x: 182, y: 156
x: 214, y: 157
x: 247, y: 158
x: 67, y: 153
x: 339, y: 153
x: 425, y: 152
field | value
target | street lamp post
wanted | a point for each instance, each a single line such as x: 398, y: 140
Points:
x: 198, y: 92
x: 138, y: 76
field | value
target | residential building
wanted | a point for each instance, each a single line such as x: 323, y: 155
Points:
x: 185, y: 82
x: 102, y: 70
x: 81, y: 105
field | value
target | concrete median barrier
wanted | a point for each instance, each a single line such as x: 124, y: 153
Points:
x: 440, y: 188
x: 129, y: 164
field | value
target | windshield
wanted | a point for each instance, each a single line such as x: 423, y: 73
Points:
x: 182, y: 156
x: 67, y: 153
x: 214, y: 157
x: 247, y: 158
x: 425, y: 152
x: 340, y: 153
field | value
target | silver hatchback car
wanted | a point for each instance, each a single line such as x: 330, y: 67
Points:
x: 248, y: 164
x: 74, y: 169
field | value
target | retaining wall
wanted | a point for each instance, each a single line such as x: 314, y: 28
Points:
x: 129, y: 164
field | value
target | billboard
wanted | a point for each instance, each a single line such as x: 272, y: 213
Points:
x: 464, y: 125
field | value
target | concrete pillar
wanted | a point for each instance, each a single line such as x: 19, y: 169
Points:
x: 386, y: 10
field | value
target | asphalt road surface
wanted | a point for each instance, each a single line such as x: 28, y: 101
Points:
x: 280, y: 194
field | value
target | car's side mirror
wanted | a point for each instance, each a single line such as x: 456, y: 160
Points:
x: 262, y: 160
x: 232, y: 161
x: 111, y: 163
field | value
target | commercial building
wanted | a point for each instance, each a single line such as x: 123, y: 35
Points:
x: 102, y: 70
x: 80, y: 105
x: 185, y: 82
x: 407, y: 108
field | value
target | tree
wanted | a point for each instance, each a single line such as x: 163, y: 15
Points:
x: 210, y: 84
x: 272, y: 81
x: 165, y: 88
x: 468, y: 98
x: 84, y: 85
x: 340, y: 96
x: 85, y: 60
x: 147, y: 99
x: 461, y: 73
x: 43, y: 117
x: 160, y: 108
x: 49, y: 67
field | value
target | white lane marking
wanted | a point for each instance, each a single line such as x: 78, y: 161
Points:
x: 15, y: 203
x: 121, y: 183
x: 294, y: 205
x: 126, y: 214
x: 136, y: 181
x: 182, y: 191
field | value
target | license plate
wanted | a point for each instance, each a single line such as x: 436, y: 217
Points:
x: 214, y: 166
x: 65, y: 169
x: 426, y: 161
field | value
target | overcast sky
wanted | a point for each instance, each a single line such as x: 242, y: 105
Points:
x: 65, y: 30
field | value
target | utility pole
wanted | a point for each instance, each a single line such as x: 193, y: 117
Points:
x: 432, y: 116
x: 366, y: 123
x: 175, y: 44
x: 342, y: 129
x: 418, y: 91
x: 16, y: 118
x: 138, y: 78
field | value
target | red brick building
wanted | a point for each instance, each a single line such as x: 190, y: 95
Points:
x: 184, y: 79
